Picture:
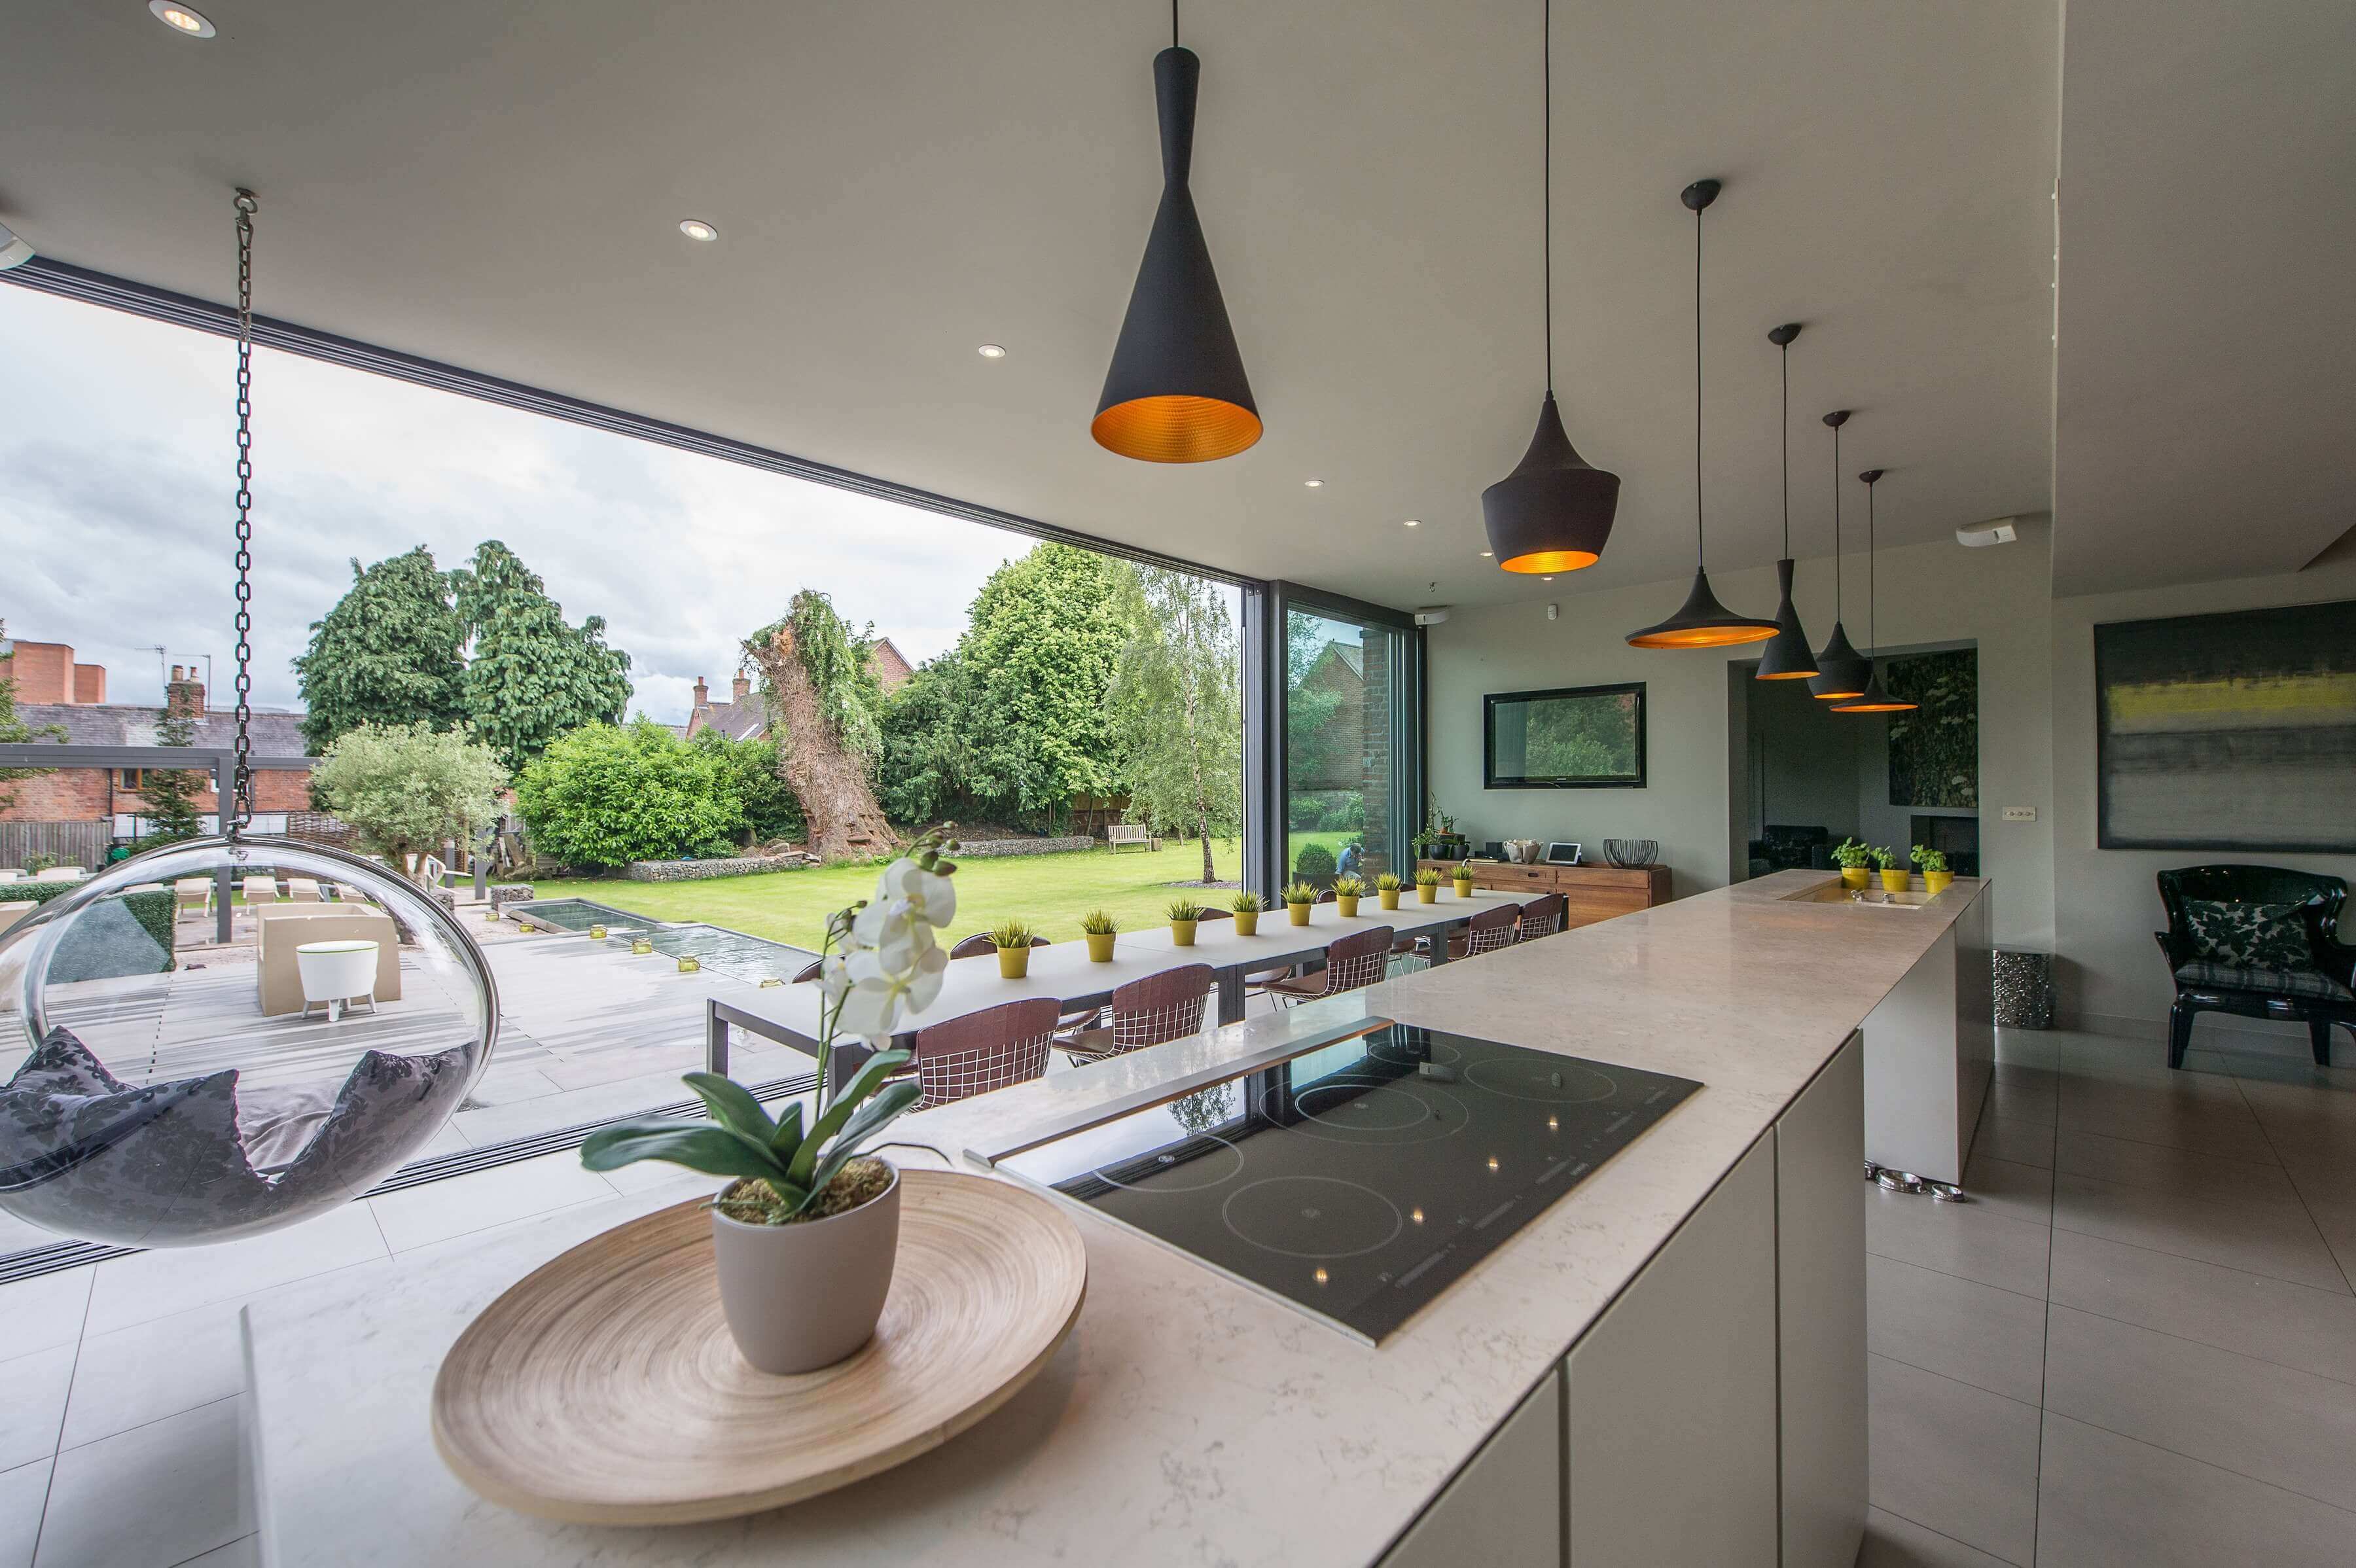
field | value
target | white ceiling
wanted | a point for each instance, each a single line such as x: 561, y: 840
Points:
x: 497, y: 185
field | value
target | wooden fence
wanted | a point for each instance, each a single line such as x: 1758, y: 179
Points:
x: 64, y: 843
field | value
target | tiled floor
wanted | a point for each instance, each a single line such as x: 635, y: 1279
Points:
x: 2137, y: 1346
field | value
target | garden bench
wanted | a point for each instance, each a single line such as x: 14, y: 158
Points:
x: 1116, y: 834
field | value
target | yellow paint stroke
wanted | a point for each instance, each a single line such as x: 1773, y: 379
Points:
x: 2274, y: 702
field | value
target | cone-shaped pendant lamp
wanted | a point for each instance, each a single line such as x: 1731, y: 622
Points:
x: 1786, y: 655
x: 1841, y: 672
x: 1552, y: 513
x: 1873, y: 699
x: 1702, y: 621
x: 1176, y: 392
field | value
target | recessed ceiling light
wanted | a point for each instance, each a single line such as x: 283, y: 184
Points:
x: 1413, y: 523
x: 697, y: 229
x: 1488, y: 552
x: 992, y: 351
x: 1314, y: 484
x: 180, y: 19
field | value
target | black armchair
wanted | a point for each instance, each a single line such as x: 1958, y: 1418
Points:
x: 2322, y: 994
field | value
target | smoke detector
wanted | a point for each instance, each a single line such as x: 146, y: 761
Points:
x: 1432, y: 615
x: 1994, y: 531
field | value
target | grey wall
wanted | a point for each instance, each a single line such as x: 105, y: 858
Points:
x: 1812, y: 770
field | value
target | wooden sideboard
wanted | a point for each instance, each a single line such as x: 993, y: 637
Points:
x: 1592, y: 891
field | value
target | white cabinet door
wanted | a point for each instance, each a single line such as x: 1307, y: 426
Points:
x: 1505, y: 1508
x: 1670, y: 1396
x: 1820, y: 1195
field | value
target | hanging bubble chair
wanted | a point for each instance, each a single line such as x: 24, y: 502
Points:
x: 175, y: 1092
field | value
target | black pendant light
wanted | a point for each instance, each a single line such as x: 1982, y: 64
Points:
x: 1176, y: 392
x: 1702, y: 621
x: 1787, y: 656
x: 1873, y: 699
x: 1841, y: 671
x: 1554, y: 512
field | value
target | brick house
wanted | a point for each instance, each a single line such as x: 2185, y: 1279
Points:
x: 746, y: 717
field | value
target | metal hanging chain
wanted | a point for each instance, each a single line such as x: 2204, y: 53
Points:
x: 242, y: 816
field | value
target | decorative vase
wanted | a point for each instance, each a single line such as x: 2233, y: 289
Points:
x: 1854, y: 877
x: 799, y: 1297
x: 1248, y: 922
x: 1013, y: 963
x: 1937, y: 881
x: 1099, y: 946
x: 1348, y: 904
x: 1426, y: 892
x: 1299, y: 912
x: 1896, y: 881
x: 1387, y: 897
x: 1182, y: 933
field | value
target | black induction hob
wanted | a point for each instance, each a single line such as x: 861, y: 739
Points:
x: 1362, y: 1178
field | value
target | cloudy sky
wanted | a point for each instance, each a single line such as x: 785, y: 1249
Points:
x: 117, y: 481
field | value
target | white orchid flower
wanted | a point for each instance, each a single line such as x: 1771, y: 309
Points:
x: 869, y: 1009
x: 933, y: 895
x: 833, y: 977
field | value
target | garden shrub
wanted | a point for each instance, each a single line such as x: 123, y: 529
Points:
x: 606, y: 795
x: 1313, y: 862
x: 130, y: 934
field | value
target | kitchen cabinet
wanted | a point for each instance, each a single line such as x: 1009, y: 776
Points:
x: 1504, y: 1508
x: 1820, y: 1320
x: 1590, y: 892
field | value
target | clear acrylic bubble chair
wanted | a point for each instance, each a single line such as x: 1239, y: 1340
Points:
x: 162, y: 1089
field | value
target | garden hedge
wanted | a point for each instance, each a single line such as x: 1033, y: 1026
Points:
x: 101, y: 944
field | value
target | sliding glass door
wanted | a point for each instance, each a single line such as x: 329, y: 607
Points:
x: 1350, y: 684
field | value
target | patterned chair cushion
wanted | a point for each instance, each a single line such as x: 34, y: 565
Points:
x: 2248, y: 936
x: 2299, y: 982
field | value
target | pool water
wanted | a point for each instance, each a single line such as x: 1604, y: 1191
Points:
x: 732, y: 953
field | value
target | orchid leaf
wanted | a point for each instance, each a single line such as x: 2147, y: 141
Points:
x: 700, y: 1146
x: 733, y: 1106
x: 877, y: 1114
x: 869, y: 1077
x: 787, y: 1138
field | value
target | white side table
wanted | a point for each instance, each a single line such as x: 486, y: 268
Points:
x: 336, y: 973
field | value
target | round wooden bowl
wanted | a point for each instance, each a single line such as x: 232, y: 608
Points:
x: 603, y: 1386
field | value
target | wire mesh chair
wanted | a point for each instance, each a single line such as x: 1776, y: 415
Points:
x: 981, y: 1051
x: 1357, y: 960
x: 811, y: 972
x: 1164, y: 1006
x: 1543, y: 917
x: 1485, y: 932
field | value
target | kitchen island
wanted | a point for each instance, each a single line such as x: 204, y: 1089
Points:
x: 1689, y: 1320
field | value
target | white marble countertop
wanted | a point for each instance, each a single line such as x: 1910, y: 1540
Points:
x: 1187, y: 1421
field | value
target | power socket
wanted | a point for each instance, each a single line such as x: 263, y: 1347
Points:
x: 2020, y: 814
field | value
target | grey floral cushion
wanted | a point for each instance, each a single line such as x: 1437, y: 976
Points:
x: 2248, y: 936
x: 2300, y: 982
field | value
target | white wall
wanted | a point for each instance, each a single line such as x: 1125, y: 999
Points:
x: 1940, y: 595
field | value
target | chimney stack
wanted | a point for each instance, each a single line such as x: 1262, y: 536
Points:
x: 184, y: 696
x: 743, y: 687
x: 702, y: 693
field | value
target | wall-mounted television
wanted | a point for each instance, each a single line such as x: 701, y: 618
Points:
x: 1569, y: 738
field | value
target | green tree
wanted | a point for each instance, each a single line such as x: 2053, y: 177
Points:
x: 770, y: 811
x: 15, y: 731
x: 1176, y: 700
x: 1312, y: 741
x: 388, y: 653
x: 818, y: 682
x: 609, y: 794
x: 171, y: 792
x: 407, y: 787
x: 533, y: 676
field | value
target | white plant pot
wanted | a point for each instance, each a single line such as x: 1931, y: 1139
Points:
x: 799, y: 1297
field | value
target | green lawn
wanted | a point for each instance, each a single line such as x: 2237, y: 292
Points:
x: 1049, y: 892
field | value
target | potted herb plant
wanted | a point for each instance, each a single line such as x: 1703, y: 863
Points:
x: 1387, y: 889
x: 1246, y: 906
x: 1853, y: 858
x: 1463, y: 878
x: 1012, y: 940
x: 805, y: 1232
x: 1299, y: 899
x: 1348, y: 891
x: 1427, y: 885
x: 1895, y: 874
x: 1184, y: 914
x: 1936, y: 876
x: 1098, y: 929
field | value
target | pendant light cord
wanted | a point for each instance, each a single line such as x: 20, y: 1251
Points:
x: 1545, y: 183
x: 1785, y: 431
x: 237, y: 813
x: 1174, y: 24
x: 1836, y: 527
x: 1699, y: 563
x: 1872, y: 594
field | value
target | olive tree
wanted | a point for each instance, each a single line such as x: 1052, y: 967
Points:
x: 406, y: 788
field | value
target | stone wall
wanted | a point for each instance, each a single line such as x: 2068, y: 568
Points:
x: 700, y: 870
x: 987, y: 849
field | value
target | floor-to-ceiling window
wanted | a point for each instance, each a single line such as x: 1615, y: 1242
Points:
x: 1351, y: 790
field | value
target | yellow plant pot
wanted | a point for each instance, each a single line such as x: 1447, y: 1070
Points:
x: 1389, y: 896
x: 1013, y: 963
x: 1248, y: 922
x: 1937, y: 881
x: 1896, y: 881
x: 1182, y: 933
x: 1854, y: 876
x: 1464, y: 888
x: 1299, y: 912
x: 1348, y: 906
x: 1426, y: 892
x: 1099, y: 946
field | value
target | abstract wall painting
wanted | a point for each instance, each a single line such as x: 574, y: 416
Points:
x: 2229, y: 732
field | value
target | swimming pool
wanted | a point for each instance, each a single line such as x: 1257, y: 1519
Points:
x: 723, y: 951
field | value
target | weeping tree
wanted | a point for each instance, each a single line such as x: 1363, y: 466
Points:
x: 823, y: 695
x: 1177, y: 716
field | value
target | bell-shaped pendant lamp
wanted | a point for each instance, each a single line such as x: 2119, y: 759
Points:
x: 1554, y: 511
x: 1841, y: 671
x: 1176, y: 392
x: 1702, y: 621
x: 1873, y: 699
x: 1786, y: 655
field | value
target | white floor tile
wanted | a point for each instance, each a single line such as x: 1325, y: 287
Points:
x: 2031, y: 1102
x: 441, y: 1209
x: 1953, y: 1458
x: 153, y: 1497
x: 2289, y: 1429
x: 2186, y: 1111
x: 1970, y: 1239
x: 243, y: 1554
x: 2262, y: 1238
x: 2273, y: 1320
x: 23, y: 1490
x: 33, y: 1405
x: 1959, y: 1328
x: 2180, y: 1173
x: 2108, y: 1501
x: 2010, y: 1188
x: 148, y: 1285
x: 43, y: 1311
x: 1894, y: 1542
x: 150, y: 1370
x: 2023, y: 1142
